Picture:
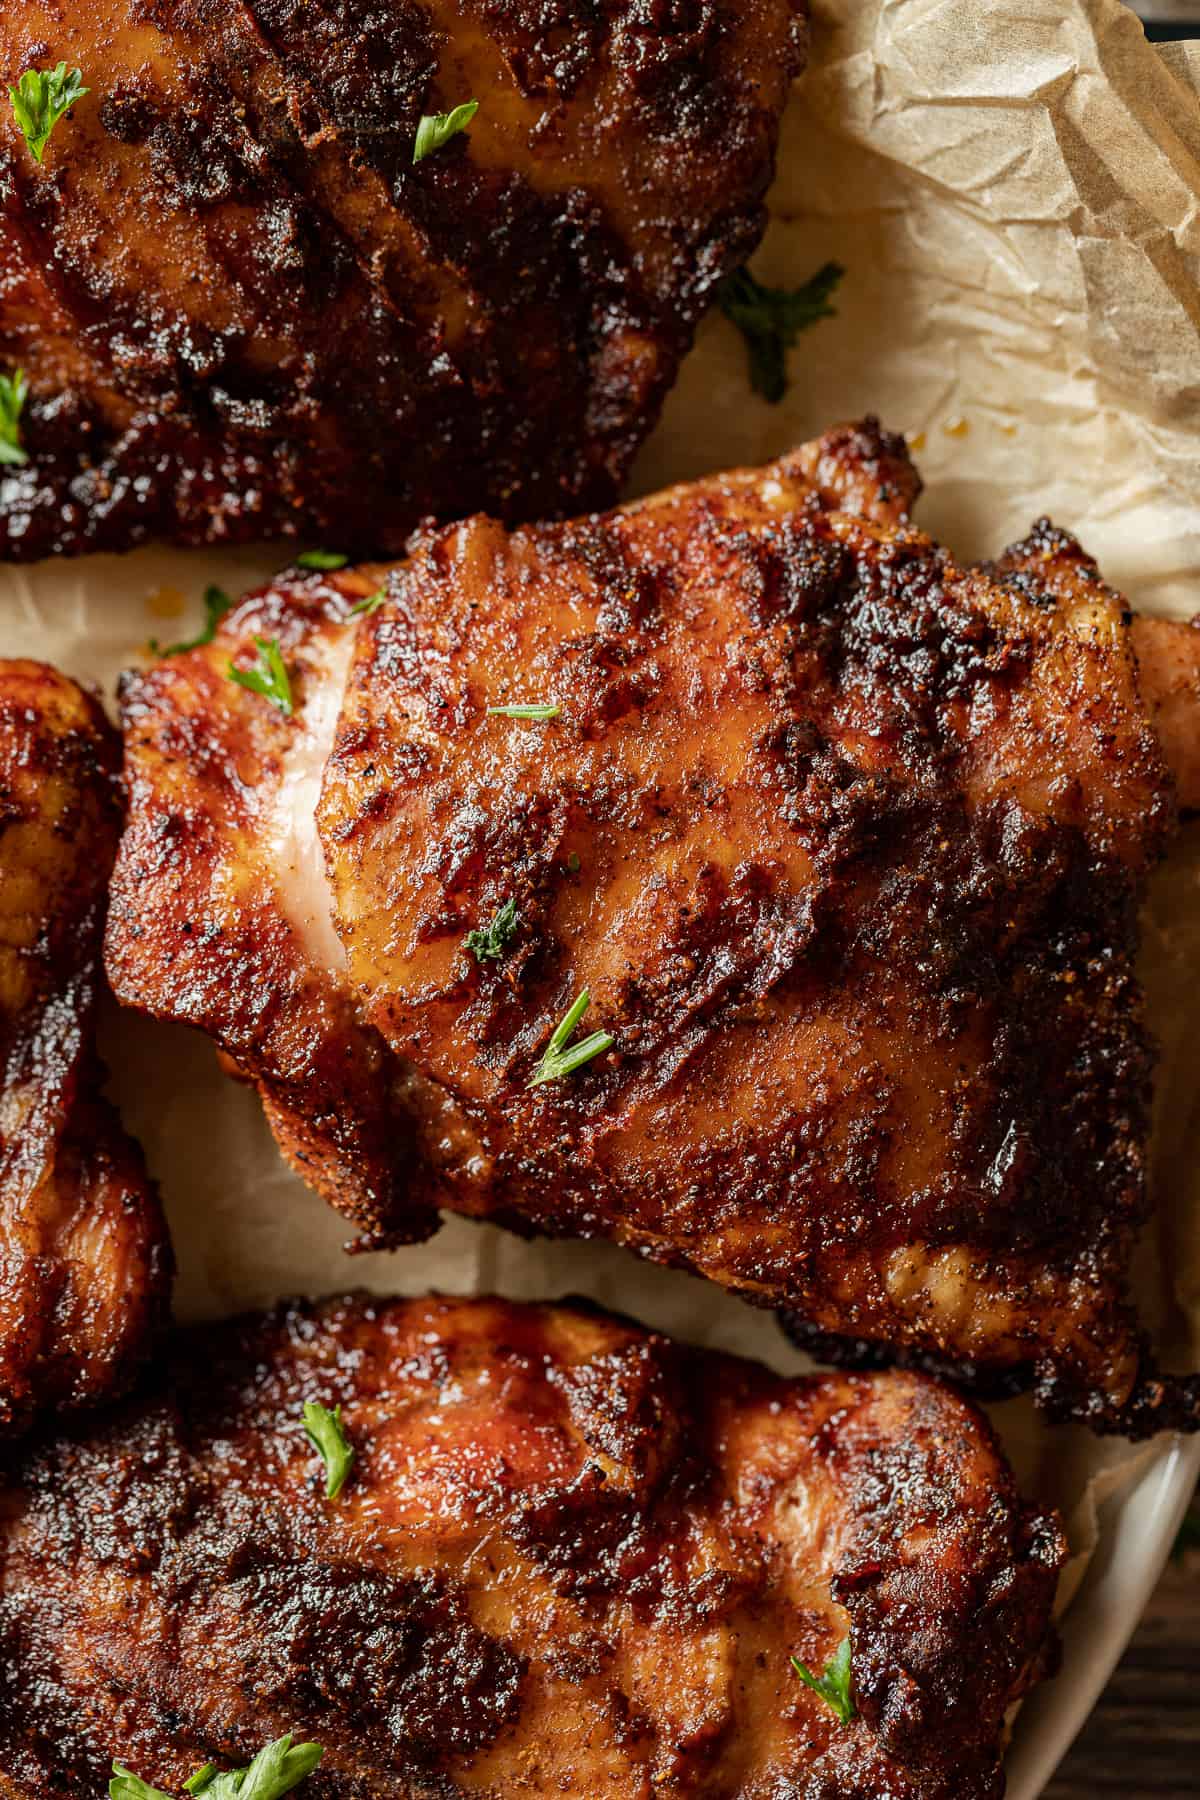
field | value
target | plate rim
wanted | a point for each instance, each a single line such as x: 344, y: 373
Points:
x: 1138, y: 1526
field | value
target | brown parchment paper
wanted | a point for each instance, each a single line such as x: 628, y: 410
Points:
x: 1013, y: 188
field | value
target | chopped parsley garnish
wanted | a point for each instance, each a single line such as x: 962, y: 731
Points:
x: 267, y: 676
x: 125, y: 1786
x: 370, y: 605
x: 275, y: 1771
x: 549, y: 709
x: 833, y: 1685
x: 13, y: 390
x: 324, y: 1432
x: 40, y: 99
x: 216, y: 604
x: 490, y: 943
x: 771, y: 319
x: 435, y: 129
x: 562, y: 1057
x: 321, y: 559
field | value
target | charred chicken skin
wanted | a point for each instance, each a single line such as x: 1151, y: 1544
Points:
x: 84, y: 1264
x: 571, y: 1558
x: 245, y: 311
x: 843, y: 842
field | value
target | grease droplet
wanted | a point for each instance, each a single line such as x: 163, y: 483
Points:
x: 165, y: 603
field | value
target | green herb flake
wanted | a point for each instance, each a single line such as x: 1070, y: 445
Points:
x: 275, y: 1771
x: 267, y: 676
x: 125, y: 1786
x: 216, y: 604
x: 321, y: 559
x: 370, y: 605
x: 833, y: 1685
x: 40, y: 99
x: 771, y: 319
x: 324, y: 1432
x: 490, y: 943
x: 13, y: 391
x: 562, y: 1057
x: 549, y: 709
x: 436, y: 129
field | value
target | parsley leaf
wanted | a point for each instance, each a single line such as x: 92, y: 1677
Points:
x: 771, y: 319
x: 125, y: 1786
x: 13, y: 389
x: 833, y: 1685
x: 275, y: 1771
x: 267, y: 677
x: 547, y: 710
x: 216, y: 604
x: 321, y: 559
x: 435, y: 129
x: 490, y: 943
x: 370, y: 605
x: 562, y: 1057
x: 324, y: 1432
x: 40, y: 99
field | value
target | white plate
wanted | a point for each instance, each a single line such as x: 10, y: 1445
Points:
x: 1137, y: 1531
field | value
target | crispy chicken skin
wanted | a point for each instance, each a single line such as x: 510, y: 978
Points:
x: 845, y: 841
x: 84, y: 1264
x: 1168, y: 656
x: 572, y: 1558
x: 245, y: 312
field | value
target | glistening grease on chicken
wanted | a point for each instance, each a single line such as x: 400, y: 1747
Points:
x: 803, y: 861
x: 570, y: 1558
x: 245, y: 310
x: 84, y: 1262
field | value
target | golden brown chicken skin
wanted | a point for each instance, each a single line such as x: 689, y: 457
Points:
x: 84, y: 1263
x: 245, y: 312
x: 844, y: 841
x: 571, y: 1558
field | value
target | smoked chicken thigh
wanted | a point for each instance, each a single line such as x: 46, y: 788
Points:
x: 84, y: 1262
x: 571, y: 1558
x: 244, y: 311
x: 844, y: 842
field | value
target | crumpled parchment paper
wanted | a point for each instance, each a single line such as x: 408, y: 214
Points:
x: 1013, y: 188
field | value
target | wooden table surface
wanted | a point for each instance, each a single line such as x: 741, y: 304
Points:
x: 1143, y: 1740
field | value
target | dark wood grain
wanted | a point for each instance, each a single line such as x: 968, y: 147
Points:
x: 1143, y: 1740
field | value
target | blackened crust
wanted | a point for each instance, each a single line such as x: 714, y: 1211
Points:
x: 245, y: 313
x: 85, y: 1266
x: 572, y: 1558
